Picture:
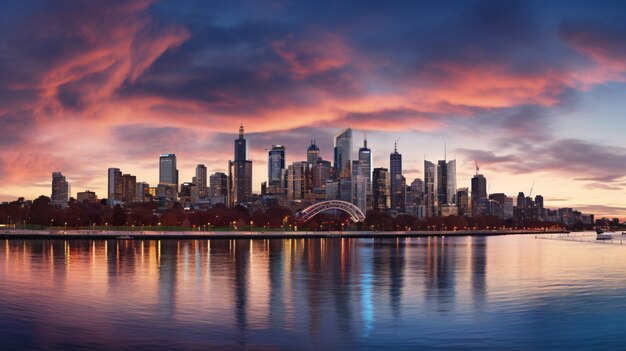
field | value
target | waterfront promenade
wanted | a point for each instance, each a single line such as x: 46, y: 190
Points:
x: 278, y: 234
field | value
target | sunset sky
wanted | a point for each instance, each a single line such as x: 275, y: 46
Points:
x: 535, y: 91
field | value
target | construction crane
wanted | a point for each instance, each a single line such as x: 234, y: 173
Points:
x: 531, y: 189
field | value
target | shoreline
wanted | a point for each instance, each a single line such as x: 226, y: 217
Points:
x: 180, y: 235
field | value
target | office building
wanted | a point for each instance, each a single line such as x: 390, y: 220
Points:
x: 168, y: 173
x: 381, y: 189
x: 240, y: 173
x: 312, y: 154
x: 60, y: 190
x: 462, y: 201
x: 114, y: 194
x: 431, y: 200
x: 276, y: 172
x: 86, y: 196
x: 200, y: 183
x: 397, y: 181
x: 446, y: 182
x: 218, y: 184
x: 479, y: 192
x: 129, y: 188
x: 343, y: 153
x: 365, y: 161
x: 298, y: 185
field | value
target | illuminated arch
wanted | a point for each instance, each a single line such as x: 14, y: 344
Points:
x: 356, y: 215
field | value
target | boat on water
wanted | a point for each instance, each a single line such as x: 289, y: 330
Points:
x: 124, y: 237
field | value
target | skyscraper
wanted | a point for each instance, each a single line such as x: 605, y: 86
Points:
x: 167, y: 189
x: 168, y: 173
x: 343, y: 153
x: 129, y: 189
x: 446, y: 182
x: 312, y: 154
x: 479, y: 192
x: 200, y: 182
x: 143, y: 191
x: 114, y: 194
x: 298, y: 184
x: 396, y: 179
x: 365, y: 161
x: 276, y: 173
x: 240, y: 173
x: 430, y: 189
x: 359, y: 186
x: 219, y: 184
x: 381, y: 189
x: 60, y: 190
x: 462, y: 201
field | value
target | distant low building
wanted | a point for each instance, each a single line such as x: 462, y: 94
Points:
x: 86, y: 196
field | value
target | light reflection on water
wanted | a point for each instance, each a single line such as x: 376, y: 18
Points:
x: 514, y: 292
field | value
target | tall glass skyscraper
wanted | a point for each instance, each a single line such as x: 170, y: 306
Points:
x: 365, y: 161
x: 430, y: 189
x: 240, y: 173
x: 168, y: 174
x: 479, y: 192
x: 312, y: 154
x: 276, y: 170
x: 446, y: 182
x: 201, y: 182
x: 343, y: 153
x: 396, y: 179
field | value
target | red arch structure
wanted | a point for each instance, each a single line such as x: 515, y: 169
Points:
x: 355, y: 213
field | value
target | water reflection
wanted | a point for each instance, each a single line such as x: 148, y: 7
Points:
x: 292, y: 293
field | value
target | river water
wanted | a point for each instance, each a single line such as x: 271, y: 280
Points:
x: 504, y: 292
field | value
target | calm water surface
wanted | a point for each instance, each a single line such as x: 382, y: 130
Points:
x: 508, y: 292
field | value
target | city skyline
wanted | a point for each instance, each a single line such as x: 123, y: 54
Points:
x: 533, y: 94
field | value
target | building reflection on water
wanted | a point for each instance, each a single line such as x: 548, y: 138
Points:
x: 310, y: 288
x: 311, y: 294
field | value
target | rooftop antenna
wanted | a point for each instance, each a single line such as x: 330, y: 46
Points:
x: 531, y: 189
x: 395, y: 145
x: 445, y: 152
x: 365, y: 140
x: 477, y: 168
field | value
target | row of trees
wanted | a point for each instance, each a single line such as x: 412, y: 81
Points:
x: 42, y: 213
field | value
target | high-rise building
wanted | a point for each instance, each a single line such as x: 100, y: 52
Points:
x: 381, y: 189
x: 321, y: 173
x: 359, y: 186
x: 431, y: 200
x: 479, y: 192
x: 218, y: 184
x: 396, y: 180
x: 343, y: 153
x: 168, y: 173
x: 312, y: 154
x: 365, y: 161
x: 462, y: 201
x: 143, y: 192
x: 129, y: 188
x: 446, y: 182
x: 276, y: 172
x: 60, y: 190
x: 115, y: 187
x: 240, y: 173
x: 200, y: 182
x: 298, y: 185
